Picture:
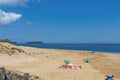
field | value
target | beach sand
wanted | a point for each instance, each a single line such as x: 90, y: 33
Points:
x: 45, y: 63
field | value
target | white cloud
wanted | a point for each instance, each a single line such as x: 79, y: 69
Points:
x: 8, y: 17
x: 16, y: 2
x: 13, y: 2
x: 29, y: 23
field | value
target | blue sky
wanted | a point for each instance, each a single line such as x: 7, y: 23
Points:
x: 60, y: 21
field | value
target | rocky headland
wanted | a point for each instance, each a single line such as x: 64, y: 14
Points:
x: 34, y: 42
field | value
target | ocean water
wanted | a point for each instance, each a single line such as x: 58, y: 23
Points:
x: 109, y: 48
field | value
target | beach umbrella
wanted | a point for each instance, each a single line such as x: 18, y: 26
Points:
x: 67, y: 61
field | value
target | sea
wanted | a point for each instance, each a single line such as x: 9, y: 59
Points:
x: 107, y: 48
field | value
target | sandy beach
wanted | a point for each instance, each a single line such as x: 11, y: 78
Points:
x: 45, y: 63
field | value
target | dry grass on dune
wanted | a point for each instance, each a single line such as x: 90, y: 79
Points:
x: 106, y: 65
x: 9, y: 49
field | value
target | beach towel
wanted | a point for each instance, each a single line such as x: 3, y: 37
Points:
x: 76, y: 67
x: 73, y: 67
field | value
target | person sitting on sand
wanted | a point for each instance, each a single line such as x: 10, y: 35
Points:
x: 109, y: 77
x: 87, y: 59
x: 69, y: 65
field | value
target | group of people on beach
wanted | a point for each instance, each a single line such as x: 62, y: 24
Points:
x: 69, y: 65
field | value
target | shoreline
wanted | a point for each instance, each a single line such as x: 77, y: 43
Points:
x: 72, y: 50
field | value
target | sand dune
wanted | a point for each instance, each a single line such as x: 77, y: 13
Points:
x: 45, y: 63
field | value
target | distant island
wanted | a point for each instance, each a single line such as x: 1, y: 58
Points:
x: 34, y: 42
x: 7, y: 41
